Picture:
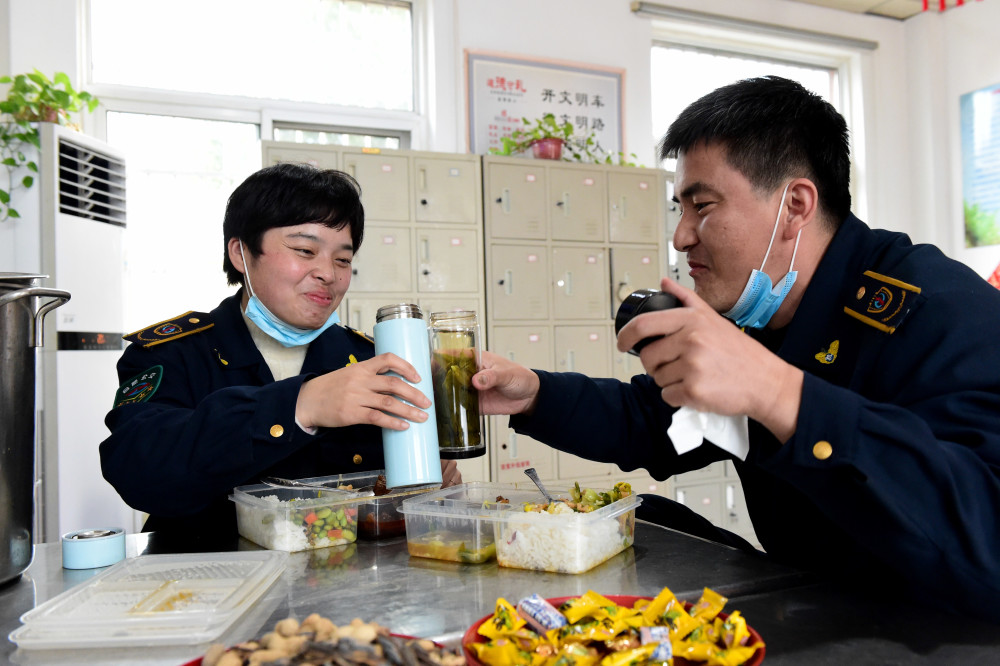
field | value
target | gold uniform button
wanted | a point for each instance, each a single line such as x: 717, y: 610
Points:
x: 822, y: 450
x: 357, y: 458
x: 194, y: 320
x: 277, y: 431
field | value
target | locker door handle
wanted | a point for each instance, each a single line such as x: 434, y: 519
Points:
x: 624, y: 208
x: 507, y: 282
x: 425, y: 249
x: 504, y: 200
x: 564, y: 203
x: 423, y: 202
x: 570, y: 360
x: 422, y: 180
x: 352, y: 169
x: 513, y: 444
x: 569, y: 283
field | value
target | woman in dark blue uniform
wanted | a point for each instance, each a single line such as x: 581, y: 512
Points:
x: 869, y: 375
x: 268, y: 383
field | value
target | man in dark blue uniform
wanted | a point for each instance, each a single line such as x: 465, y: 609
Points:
x: 869, y: 375
x: 268, y: 383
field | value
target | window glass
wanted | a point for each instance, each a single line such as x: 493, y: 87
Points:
x: 333, y: 137
x: 179, y: 174
x: 683, y: 74
x: 344, y: 52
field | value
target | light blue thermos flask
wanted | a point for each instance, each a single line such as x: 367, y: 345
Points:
x: 411, y: 455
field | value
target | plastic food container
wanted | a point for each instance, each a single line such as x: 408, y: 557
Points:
x: 153, y: 600
x: 465, y: 523
x: 294, y: 519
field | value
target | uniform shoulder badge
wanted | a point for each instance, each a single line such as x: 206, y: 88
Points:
x: 882, y: 301
x: 361, y: 334
x: 186, y: 324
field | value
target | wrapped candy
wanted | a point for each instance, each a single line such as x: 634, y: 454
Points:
x: 592, y: 629
x: 505, y: 620
x: 540, y: 614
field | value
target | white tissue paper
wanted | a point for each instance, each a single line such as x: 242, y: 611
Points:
x: 689, y: 427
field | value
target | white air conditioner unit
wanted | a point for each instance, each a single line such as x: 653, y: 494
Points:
x: 72, y: 229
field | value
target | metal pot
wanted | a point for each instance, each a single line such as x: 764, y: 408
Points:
x: 21, y: 314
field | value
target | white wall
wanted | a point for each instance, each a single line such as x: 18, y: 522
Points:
x: 953, y: 56
x: 911, y: 174
x: 606, y: 32
x: 600, y: 32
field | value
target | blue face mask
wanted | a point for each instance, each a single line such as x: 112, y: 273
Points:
x: 759, y: 300
x: 265, y: 320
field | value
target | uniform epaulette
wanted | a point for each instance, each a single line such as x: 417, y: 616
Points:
x: 360, y: 333
x: 882, y: 301
x: 188, y: 323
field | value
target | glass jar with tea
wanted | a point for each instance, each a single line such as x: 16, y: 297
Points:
x: 454, y: 343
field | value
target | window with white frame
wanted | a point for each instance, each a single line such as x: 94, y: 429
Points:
x: 693, y: 72
x: 189, y: 102
x: 355, y: 53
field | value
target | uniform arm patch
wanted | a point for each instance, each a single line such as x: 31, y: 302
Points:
x: 882, y: 302
x: 139, y: 388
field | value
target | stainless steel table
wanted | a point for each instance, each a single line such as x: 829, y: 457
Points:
x: 801, y: 622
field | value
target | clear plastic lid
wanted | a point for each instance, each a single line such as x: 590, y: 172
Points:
x: 181, y: 599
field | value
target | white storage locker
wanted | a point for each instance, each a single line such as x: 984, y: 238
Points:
x: 577, y: 203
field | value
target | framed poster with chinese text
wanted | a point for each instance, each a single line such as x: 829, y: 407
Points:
x: 503, y: 89
x: 980, y: 118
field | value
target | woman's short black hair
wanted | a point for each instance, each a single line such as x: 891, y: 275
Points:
x: 772, y: 129
x: 287, y: 194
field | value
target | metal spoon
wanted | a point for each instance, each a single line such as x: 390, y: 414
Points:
x: 278, y: 482
x: 533, y: 475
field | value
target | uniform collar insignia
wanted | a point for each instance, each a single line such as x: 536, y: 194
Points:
x: 829, y: 355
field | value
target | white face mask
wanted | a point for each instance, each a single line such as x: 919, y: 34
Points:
x: 283, y: 332
x: 759, y: 300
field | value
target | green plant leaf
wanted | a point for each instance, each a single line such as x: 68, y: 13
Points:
x: 32, y: 167
x: 12, y: 213
x: 10, y: 161
x: 27, y: 181
x: 4, y: 197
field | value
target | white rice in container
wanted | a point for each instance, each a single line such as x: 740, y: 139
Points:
x: 553, y: 542
x: 274, y: 531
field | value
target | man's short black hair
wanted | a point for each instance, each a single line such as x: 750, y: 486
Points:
x: 287, y: 194
x: 772, y: 130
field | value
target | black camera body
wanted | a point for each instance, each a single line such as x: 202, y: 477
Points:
x: 639, y: 301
